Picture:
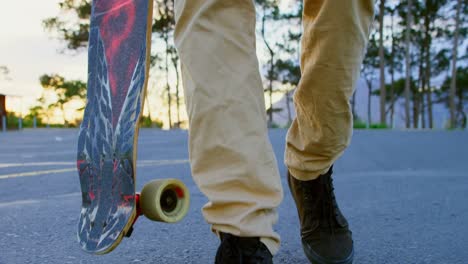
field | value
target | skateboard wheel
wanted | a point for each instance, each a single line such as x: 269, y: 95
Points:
x: 165, y: 200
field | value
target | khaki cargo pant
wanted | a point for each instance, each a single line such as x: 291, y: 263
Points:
x: 231, y: 157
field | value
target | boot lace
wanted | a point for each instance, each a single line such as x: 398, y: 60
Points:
x: 330, y: 204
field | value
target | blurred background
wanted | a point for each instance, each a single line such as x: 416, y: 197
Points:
x: 414, y: 76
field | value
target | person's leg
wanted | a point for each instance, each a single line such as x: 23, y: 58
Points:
x: 231, y: 158
x: 333, y: 45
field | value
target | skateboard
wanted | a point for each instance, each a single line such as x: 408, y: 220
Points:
x: 118, y: 64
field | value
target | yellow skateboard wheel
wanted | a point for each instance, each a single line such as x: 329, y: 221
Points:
x: 166, y: 200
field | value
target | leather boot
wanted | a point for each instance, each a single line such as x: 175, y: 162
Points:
x: 242, y: 250
x: 326, y: 238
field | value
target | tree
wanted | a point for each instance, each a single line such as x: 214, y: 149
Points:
x: 460, y: 97
x: 41, y: 110
x: 74, y: 31
x: 418, y: 41
x: 163, y: 26
x: 409, y: 22
x: 453, y: 84
x: 270, y: 11
x: 72, y: 26
x: 394, y: 59
x: 432, y: 15
x: 368, y: 71
x: 175, y: 63
x: 65, y: 90
x: 289, y: 74
x: 4, y: 72
x: 383, y: 118
x: 287, y: 69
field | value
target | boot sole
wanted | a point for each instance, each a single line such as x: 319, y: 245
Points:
x: 314, y: 258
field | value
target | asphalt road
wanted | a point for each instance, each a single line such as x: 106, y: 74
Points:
x: 404, y: 193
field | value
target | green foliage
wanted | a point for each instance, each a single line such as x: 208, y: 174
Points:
x: 288, y: 71
x: 64, y: 89
x: 145, y: 121
x: 462, y: 81
x: 27, y: 121
x: 12, y: 120
x: 164, y: 17
x: 379, y: 126
x: 398, y: 88
x: 360, y: 124
x: 371, y: 60
x: 274, y: 125
x: 461, y: 96
x: 432, y: 34
x: 75, y: 31
x: 4, y: 72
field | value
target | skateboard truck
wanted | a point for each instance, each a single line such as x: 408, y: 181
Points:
x: 162, y: 200
x: 138, y: 213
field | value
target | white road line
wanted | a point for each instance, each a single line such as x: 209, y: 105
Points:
x: 143, y: 163
x: 30, y: 201
x: 147, y: 163
x: 140, y: 163
x: 21, y: 202
x: 34, y: 173
x: 42, y: 154
x: 67, y: 195
x: 29, y: 164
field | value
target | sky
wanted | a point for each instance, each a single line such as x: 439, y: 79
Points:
x: 29, y: 51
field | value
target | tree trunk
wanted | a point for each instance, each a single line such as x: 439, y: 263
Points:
x: 65, y: 122
x: 168, y: 87
x: 422, y: 84
x: 270, y: 71
x: 353, y: 105
x: 430, y: 115
x: 270, y: 87
x: 416, y: 110
x: 461, y: 121
x: 369, y: 106
x: 420, y: 89
x: 175, y: 63
x: 427, y: 44
x: 383, y: 96
x: 453, y: 84
x: 148, y: 105
x: 288, y: 102
x: 392, y: 70
x: 408, y: 65
x: 423, y: 109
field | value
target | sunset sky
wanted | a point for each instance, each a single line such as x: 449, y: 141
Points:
x: 29, y: 51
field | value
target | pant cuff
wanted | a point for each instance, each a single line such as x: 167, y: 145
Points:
x: 307, y: 175
x: 272, y: 245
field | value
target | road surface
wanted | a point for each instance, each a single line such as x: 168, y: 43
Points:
x: 404, y: 194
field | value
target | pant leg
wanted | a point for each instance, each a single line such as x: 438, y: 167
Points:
x: 231, y: 158
x: 333, y: 45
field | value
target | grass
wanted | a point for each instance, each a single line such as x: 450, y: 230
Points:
x: 359, y: 124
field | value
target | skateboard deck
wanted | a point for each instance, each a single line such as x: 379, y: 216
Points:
x: 119, y: 46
